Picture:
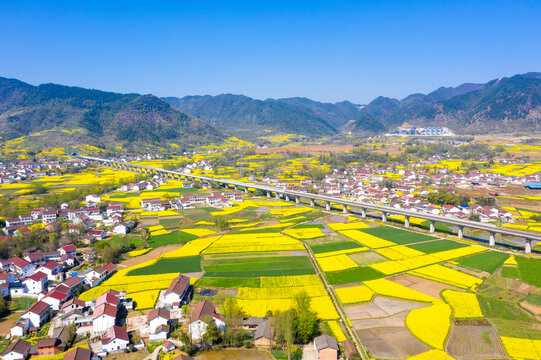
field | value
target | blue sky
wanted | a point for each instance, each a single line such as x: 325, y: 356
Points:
x: 327, y: 51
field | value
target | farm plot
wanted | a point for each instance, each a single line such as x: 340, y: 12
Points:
x: 304, y: 233
x: 352, y: 276
x: 189, y: 264
x: 398, y: 236
x: 437, y: 246
x: 447, y: 276
x: 488, y: 261
x: 239, y: 243
x: 336, y: 248
x: 476, y: 341
x: 245, y: 267
x: 380, y: 325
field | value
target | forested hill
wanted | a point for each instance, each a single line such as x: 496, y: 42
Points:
x: 249, y: 117
x: 107, y: 116
x: 502, y: 105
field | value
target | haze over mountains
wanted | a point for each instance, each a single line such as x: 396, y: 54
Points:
x: 501, y: 105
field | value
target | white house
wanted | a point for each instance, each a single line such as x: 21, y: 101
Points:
x: 158, y: 317
x: 93, y: 198
x: 104, y: 317
x: 68, y: 250
x: 53, y: 271
x: 115, y: 339
x: 36, y: 283
x: 121, y: 229
x: 21, y: 328
x: 203, y: 311
x: 38, y: 314
x: 177, y: 293
x: 22, y: 267
x: 17, y: 350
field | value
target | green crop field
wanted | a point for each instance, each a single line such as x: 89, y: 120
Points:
x: 162, y: 240
x: 511, y: 272
x: 530, y: 270
x: 229, y: 282
x: 169, y: 223
x: 397, y: 236
x: 498, y: 309
x: 354, y: 275
x: 259, y: 266
x: 308, y: 226
x: 318, y: 249
x: 170, y: 265
x: 488, y: 261
x: 436, y: 246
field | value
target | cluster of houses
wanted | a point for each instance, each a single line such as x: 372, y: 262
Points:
x: 88, y: 220
x: 12, y: 172
x: 215, y: 199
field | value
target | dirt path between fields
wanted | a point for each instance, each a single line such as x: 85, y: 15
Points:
x: 150, y: 255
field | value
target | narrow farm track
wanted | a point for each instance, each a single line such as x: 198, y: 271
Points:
x: 360, y: 348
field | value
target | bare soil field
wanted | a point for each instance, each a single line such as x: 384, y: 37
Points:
x: 474, y: 342
x: 535, y: 309
x: 7, y: 322
x: 311, y: 149
x: 391, y: 343
x: 149, y: 221
x: 367, y: 258
x: 427, y: 287
x: 380, y: 307
x: 153, y: 254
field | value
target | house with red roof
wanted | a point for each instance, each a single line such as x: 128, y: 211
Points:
x: 115, y: 339
x: 53, y: 270
x: 68, y: 250
x: 104, y: 317
x: 56, y: 298
x: 38, y: 314
x: 22, y: 267
x: 203, y: 311
x: 36, y: 283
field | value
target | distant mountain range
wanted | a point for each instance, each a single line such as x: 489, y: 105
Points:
x: 503, y: 105
x: 107, y: 116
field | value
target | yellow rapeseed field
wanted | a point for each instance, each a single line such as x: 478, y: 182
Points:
x: 336, y: 330
x: 199, y: 232
x: 430, y: 324
x: 252, y: 243
x: 338, y: 252
x: 464, y: 305
x: 447, y: 276
x: 398, y: 252
x: 348, y: 226
x: 354, y: 294
x: 433, y: 354
x: 522, y: 348
x: 336, y: 263
x: 367, y: 239
x: 511, y: 261
x: 306, y: 233
x: 392, y: 289
x: 135, y: 253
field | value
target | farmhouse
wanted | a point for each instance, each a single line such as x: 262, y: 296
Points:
x: 17, y: 350
x: 177, y: 294
x: 38, y: 314
x: 115, y: 339
x: 326, y: 347
x: 203, y: 311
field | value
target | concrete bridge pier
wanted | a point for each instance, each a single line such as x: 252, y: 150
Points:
x: 345, y: 209
x: 363, y: 212
x: 407, y: 221
x: 492, y: 239
x: 383, y: 216
x: 460, y: 232
x: 236, y: 187
x: 312, y: 203
x: 277, y: 196
x: 432, y: 226
x: 527, y: 246
x: 268, y: 194
x: 328, y: 205
x: 245, y: 190
x: 297, y: 200
x: 287, y: 198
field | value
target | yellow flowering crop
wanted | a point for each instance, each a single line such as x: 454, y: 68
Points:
x: 296, y: 218
x: 245, y: 225
x: 160, y: 232
x: 273, y: 226
x: 464, y: 305
x: 336, y: 330
x: 336, y: 262
x: 145, y: 299
x: 203, y: 222
x: 447, y: 276
x: 430, y: 324
x: 252, y: 243
x: 399, y: 252
x: 348, y: 226
x: 338, y: 252
x: 511, y: 261
x: 389, y: 288
x: 199, y: 232
x: 522, y: 348
x: 354, y: 294
x: 460, y: 252
x: 367, y: 239
x: 306, y: 233
x: 192, y: 248
x: 135, y: 253
x: 291, y: 211
x: 289, y: 281
x: 433, y: 354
